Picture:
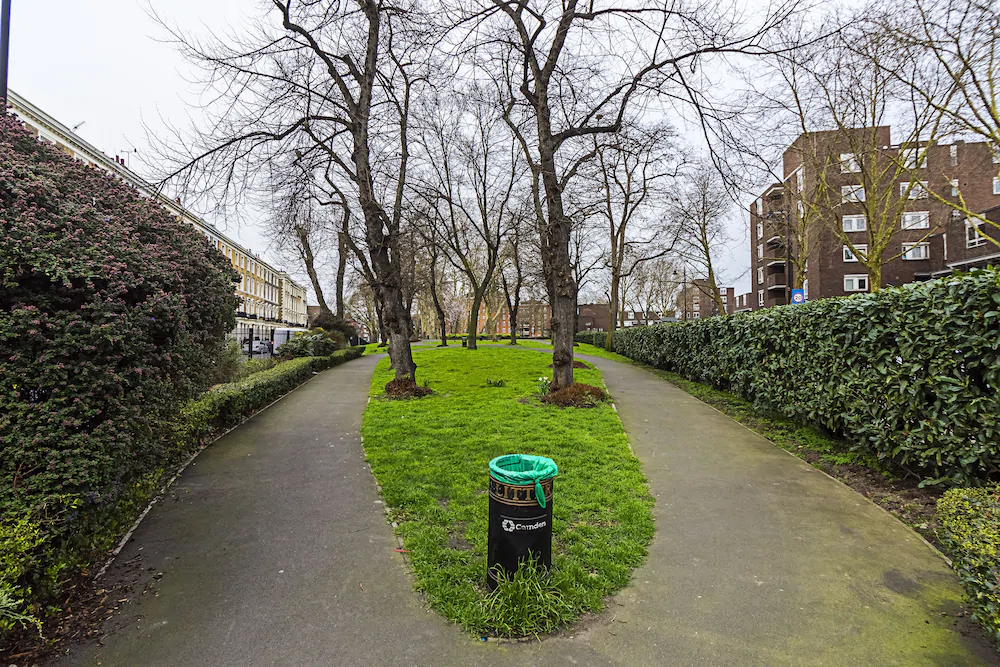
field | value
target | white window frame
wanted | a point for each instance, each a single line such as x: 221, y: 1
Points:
x: 850, y: 256
x: 760, y: 251
x: 924, y: 220
x: 855, y: 219
x: 805, y: 289
x: 760, y: 275
x: 854, y: 279
x: 918, y: 191
x: 760, y: 298
x: 954, y: 187
x: 996, y: 185
x: 909, y: 158
x: 978, y: 240
x: 923, y: 247
x: 760, y: 230
x: 849, y: 163
x: 852, y: 193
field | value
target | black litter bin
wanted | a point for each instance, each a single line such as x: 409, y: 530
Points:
x: 520, y: 513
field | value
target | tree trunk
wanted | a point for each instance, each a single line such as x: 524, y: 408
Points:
x: 341, y: 267
x: 437, y: 302
x: 477, y: 300
x: 613, y: 307
x: 310, y: 261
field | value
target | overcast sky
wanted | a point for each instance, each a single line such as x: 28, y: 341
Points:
x: 102, y: 64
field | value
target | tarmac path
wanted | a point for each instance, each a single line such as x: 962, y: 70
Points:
x: 273, y: 549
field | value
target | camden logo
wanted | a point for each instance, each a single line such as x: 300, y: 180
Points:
x: 509, y: 526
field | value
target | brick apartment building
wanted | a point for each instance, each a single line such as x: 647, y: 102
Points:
x: 932, y: 240
x: 597, y: 317
x: 533, y: 318
x: 696, y: 301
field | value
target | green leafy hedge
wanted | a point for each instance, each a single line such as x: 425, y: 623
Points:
x: 909, y: 373
x: 970, y: 531
x: 595, y: 338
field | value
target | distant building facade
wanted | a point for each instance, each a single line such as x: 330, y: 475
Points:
x: 597, y: 317
x: 696, y: 301
x: 269, y: 298
x: 533, y: 320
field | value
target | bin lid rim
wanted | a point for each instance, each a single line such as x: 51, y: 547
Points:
x: 542, y: 467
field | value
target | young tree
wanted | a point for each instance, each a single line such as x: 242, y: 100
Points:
x: 563, y: 82
x: 698, y: 215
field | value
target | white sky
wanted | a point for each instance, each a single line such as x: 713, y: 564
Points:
x: 100, y: 63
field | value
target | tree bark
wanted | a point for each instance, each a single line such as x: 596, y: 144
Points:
x: 310, y: 261
x: 473, y: 329
x: 437, y: 301
x: 342, y: 250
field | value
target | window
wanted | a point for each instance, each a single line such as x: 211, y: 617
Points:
x: 953, y: 154
x: 996, y: 154
x: 760, y: 276
x: 954, y: 188
x: 805, y: 289
x: 849, y: 256
x: 911, y: 158
x: 629, y: 315
x: 760, y: 298
x: 760, y: 230
x: 973, y: 237
x: 996, y: 185
x: 854, y: 223
x: 914, y: 190
x: 852, y: 193
x: 724, y: 299
x: 849, y: 163
x: 697, y: 306
x: 697, y: 315
x: 802, y: 209
x: 760, y: 251
x: 856, y: 283
x: 916, y: 251
x: 916, y: 220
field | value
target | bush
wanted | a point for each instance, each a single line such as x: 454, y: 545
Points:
x: 254, y: 366
x: 228, y: 405
x: 909, y: 373
x: 309, y: 344
x: 228, y: 364
x: 970, y: 531
x: 595, y: 338
x: 112, y: 313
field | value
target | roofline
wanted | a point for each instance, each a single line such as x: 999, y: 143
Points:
x: 21, y: 106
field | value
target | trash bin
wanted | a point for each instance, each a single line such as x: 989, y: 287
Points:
x: 520, y: 513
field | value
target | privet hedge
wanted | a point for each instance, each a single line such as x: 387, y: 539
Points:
x: 970, y: 531
x: 911, y: 373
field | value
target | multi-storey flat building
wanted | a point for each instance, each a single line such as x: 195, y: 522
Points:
x: 930, y: 238
x: 269, y: 298
x: 695, y: 300
x: 597, y: 317
x: 532, y: 320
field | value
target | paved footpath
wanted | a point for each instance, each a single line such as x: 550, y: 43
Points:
x: 273, y: 550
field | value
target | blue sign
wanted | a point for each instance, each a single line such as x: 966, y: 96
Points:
x: 798, y: 296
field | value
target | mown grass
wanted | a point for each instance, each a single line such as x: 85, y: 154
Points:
x: 430, y: 457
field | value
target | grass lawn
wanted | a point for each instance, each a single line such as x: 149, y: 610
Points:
x: 430, y: 457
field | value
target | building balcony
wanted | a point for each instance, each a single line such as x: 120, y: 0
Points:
x: 777, y: 281
x: 775, y: 241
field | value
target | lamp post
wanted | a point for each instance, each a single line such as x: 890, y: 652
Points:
x: 4, y: 48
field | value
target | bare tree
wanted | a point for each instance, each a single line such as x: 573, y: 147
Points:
x: 328, y: 80
x: 563, y: 82
x: 470, y: 173
x: 632, y: 167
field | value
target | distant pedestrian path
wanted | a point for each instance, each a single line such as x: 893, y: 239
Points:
x: 273, y: 549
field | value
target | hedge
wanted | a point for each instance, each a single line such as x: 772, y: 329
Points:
x: 24, y: 539
x: 970, y: 531
x: 908, y: 373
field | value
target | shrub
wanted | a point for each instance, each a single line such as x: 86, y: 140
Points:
x: 228, y: 364
x: 909, y: 373
x: 336, y: 327
x: 595, y: 338
x: 970, y: 531
x: 254, y: 366
x: 112, y: 313
x: 577, y: 395
x: 308, y: 344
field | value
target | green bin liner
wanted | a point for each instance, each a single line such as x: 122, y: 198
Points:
x: 522, y: 470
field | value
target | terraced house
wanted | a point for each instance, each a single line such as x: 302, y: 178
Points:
x: 269, y: 297
x: 845, y: 218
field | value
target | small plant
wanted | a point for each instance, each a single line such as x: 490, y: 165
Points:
x: 543, y: 385
x: 500, y: 382
x: 529, y: 602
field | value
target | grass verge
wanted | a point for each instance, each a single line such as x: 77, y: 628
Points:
x: 430, y: 457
